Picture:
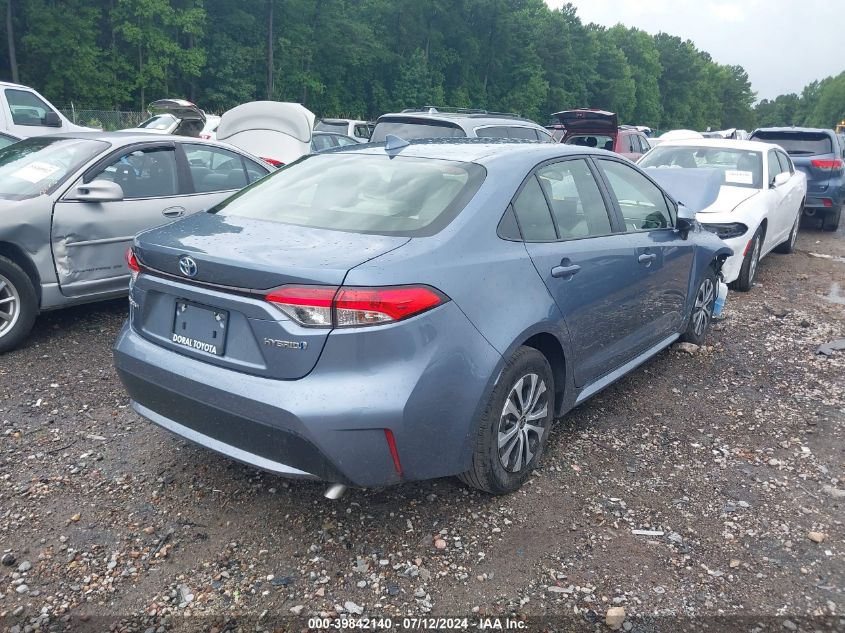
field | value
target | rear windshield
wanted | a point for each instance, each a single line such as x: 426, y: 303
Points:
x: 360, y: 193
x: 339, y: 128
x: 39, y: 165
x: 409, y: 130
x: 159, y: 122
x: 591, y: 140
x: 741, y: 168
x: 798, y: 143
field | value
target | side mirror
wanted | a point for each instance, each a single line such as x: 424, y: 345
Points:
x: 686, y: 218
x: 51, y: 119
x: 97, y: 191
x: 781, y: 179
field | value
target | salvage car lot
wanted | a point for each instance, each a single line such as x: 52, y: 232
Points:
x: 734, y: 453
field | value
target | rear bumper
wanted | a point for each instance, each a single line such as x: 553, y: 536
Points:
x: 425, y: 380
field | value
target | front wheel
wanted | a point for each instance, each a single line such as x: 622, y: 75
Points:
x: 702, y: 309
x: 745, y: 281
x: 514, y: 426
x: 18, y: 305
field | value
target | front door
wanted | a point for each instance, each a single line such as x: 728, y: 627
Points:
x: 90, y: 239
x: 664, y: 257
x: 587, y: 265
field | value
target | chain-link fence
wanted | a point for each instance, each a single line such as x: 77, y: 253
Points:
x: 105, y: 119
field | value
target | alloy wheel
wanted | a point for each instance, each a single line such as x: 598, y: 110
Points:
x: 703, y: 308
x: 522, y: 423
x: 10, y: 303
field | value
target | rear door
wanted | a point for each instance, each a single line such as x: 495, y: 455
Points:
x: 663, y: 259
x: 588, y: 266
x: 89, y: 239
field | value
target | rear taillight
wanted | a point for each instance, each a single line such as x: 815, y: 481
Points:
x: 273, y: 162
x: 132, y: 264
x: 827, y: 163
x: 350, y: 306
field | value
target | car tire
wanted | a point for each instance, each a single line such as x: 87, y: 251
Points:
x: 701, y: 315
x: 789, y: 245
x: 18, y: 305
x: 510, y: 437
x: 747, y: 272
x: 831, y: 220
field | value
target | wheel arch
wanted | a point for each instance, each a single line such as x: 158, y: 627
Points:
x: 550, y: 346
x: 15, y: 253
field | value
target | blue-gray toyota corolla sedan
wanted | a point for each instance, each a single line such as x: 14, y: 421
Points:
x: 405, y: 311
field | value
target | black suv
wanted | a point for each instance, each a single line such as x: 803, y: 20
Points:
x: 821, y: 155
x: 432, y: 122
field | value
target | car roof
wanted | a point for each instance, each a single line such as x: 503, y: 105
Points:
x: 475, y: 150
x: 726, y: 143
x: 794, y: 129
x: 476, y: 119
x: 120, y: 139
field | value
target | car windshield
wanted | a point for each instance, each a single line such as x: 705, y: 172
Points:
x: 798, y: 143
x: 409, y: 130
x: 361, y: 194
x: 592, y: 140
x: 159, y: 122
x: 38, y: 165
x: 741, y: 168
x: 340, y: 127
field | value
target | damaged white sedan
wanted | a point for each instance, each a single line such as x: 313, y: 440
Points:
x: 71, y: 203
x: 748, y: 193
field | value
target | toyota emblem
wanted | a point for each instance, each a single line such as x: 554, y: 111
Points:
x: 187, y: 266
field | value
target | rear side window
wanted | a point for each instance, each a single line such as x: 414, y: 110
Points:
x: 798, y: 143
x: 642, y: 203
x: 214, y: 168
x: 413, y: 129
x: 577, y: 205
x: 492, y: 131
x: 359, y: 193
x: 321, y: 141
x: 532, y: 213
x: 523, y: 132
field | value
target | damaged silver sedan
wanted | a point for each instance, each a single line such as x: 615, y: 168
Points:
x: 71, y: 203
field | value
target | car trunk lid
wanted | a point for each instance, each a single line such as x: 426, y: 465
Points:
x: 180, y: 108
x: 215, y: 309
x: 588, y: 121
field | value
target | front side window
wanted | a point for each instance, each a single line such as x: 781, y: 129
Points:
x: 785, y: 163
x: 39, y: 165
x: 143, y: 173
x: 319, y: 142
x: 643, y: 205
x: 577, y: 205
x: 359, y: 193
x: 532, y: 213
x: 26, y: 107
x: 214, y: 168
x: 774, y: 166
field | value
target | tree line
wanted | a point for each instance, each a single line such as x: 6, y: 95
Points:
x: 360, y: 58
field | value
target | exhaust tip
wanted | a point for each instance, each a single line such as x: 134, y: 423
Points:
x: 334, y: 492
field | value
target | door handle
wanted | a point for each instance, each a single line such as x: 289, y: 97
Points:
x: 173, y: 212
x: 647, y: 258
x: 565, y: 271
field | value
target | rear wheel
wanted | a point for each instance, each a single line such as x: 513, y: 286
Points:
x: 831, y: 220
x: 789, y: 245
x: 514, y: 426
x: 702, y: 309
x: 745, y: 281
x: 18, y: 305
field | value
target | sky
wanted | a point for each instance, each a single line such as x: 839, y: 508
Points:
x: 782, y: 44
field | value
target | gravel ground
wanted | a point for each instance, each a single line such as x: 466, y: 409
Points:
x: 730, y: 458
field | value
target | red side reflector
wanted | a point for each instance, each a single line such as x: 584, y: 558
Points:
x: 273, y: 162
x: 132, y: 261
x: 827, y: 202
x: 835, y: 163
x: 391, y: 444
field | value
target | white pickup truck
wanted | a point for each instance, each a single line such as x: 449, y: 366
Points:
x: 25, y: 113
